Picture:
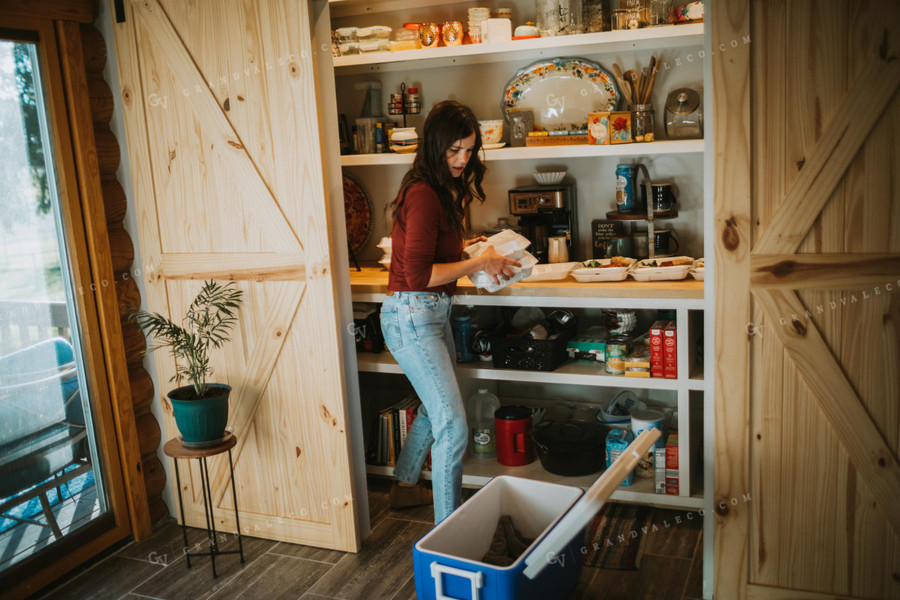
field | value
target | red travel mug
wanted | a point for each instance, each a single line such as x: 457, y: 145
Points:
x: 513, y: 433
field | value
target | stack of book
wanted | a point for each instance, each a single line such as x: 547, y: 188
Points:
x: 388, y: 431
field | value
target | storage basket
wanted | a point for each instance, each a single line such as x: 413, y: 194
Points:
x: 529, y: 354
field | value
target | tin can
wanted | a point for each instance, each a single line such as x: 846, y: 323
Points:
x: 462, y: 334
x: 620, y: 127
x: 616, y: 351
x: 598, y: 128
x: 625, y: 187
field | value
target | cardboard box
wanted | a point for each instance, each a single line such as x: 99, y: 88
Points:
x: 659, y: 468
x: 672, y: 452
x: 656, y: 348
x: 670, y: 352
x: 672, y: 483
x: 589, y: 345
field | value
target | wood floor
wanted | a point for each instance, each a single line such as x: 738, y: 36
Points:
x: 155, y: 567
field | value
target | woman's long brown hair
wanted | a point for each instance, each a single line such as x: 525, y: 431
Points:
x: 447, y: 122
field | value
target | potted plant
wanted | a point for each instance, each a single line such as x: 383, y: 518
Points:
x: 201, y: 408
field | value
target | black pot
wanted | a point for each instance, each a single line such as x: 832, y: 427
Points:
x: 571, y: 448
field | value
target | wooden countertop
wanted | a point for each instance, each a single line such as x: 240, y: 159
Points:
x: 373, y: 280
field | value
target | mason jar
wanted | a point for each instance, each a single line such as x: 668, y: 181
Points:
x: 642, y: 122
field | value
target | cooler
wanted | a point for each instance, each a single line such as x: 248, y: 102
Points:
x: 447, y: 560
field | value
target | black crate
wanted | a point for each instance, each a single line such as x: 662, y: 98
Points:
x: 529, y: 354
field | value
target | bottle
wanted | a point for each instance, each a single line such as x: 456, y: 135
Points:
x: 462, y: 337
x: 482, y: 431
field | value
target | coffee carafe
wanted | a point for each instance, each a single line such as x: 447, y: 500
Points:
x: 544, y: 212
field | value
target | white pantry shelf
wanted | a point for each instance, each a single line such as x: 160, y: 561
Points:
x: 543, y: 152
x: 603, y: 42
x: 477, y: 472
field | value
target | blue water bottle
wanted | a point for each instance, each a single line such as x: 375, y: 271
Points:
x: 625, y: 187
x: 462, y: 337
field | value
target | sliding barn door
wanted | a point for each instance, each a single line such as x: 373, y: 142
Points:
x: 223, y: 137
x: 808, y: 271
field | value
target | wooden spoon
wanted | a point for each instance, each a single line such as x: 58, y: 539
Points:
x: 648, y: 93
x: 623, y: 84
x: 632, y: 77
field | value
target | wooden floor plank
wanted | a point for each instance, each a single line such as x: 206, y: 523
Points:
x: 673, y: 533
x: 197, y: 583
x: 110, y: 578
x: 276, y: 577
x: 659, y: 578
x: 380, y: 568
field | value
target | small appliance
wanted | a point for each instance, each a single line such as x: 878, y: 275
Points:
x: 546, y: 211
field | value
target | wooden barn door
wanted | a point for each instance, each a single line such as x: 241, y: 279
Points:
x: 223, y: 137
x: 808, y: 296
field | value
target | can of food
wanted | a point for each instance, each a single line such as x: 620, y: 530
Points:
x: 616, y: 352
x: 625, y: 187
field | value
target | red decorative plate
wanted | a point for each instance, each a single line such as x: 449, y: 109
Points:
x: 359, y: 212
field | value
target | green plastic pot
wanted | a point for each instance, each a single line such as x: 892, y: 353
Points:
x: 201, y: 420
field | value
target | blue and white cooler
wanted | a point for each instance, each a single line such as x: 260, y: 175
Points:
x: 447, y: 560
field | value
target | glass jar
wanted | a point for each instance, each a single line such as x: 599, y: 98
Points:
x: 452, y: 33
x: 413, y: 101
x: 429, y: 35
x: 571, y: 17
x: 547, y: 17
x: 642, y: 122
x: 630, y: 14
x: 596, y: 15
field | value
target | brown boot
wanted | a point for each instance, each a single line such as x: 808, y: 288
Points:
x: 408, y: 496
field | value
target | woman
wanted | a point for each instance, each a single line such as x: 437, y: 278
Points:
x: 426, y: 260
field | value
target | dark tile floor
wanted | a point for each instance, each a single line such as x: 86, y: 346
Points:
x: 671, y: 567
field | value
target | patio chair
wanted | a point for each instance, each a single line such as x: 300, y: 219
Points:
x: 42, y: 428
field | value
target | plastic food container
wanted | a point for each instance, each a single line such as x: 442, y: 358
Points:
x: 551, y: 272
x: 697, y: 272
x: 587, y: 275
x: 672, y: 273
x: 486, y: 282
x: 374, y: 39
x: 507, y: 243
x: 405, y: 39
x: 348, y: 41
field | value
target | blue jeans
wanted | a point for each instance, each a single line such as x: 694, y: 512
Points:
x: 416, y: 328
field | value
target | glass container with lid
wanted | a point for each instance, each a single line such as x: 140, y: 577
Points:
x: 684, y: 118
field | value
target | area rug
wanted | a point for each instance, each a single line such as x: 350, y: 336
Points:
x: 615, y: 538
x: 32, y: 508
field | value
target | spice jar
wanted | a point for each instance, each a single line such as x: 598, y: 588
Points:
x: 642, y: 122
x: 413, y: 101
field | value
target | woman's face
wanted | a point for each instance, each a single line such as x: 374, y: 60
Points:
x: 459, y: 153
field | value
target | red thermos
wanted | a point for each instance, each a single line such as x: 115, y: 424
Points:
x: 514, y: 445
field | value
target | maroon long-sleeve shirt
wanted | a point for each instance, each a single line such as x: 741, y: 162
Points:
x: 421, y: 237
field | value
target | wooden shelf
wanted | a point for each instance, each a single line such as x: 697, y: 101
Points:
x: 477, y: 472
x: 543, y: 153
x: 370, y: 285
x: 522, y: 51
x: 658, y: 215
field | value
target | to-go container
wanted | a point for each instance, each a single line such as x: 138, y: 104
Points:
x: 374, y: 39
x: 447, y: 561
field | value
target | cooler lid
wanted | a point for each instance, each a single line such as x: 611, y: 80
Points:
x: 585, y: 509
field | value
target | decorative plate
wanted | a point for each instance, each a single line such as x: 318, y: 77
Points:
x: 359, y: 212
x: 561, y: 92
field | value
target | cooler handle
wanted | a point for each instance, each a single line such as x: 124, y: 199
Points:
x: 437, y: 569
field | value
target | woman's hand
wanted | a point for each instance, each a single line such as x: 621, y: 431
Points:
x: 468, y: 243
x: 497, y: 266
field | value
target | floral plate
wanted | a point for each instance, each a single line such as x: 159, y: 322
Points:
x: 561, y: 92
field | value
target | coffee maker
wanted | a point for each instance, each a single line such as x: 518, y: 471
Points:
x: 545, y: 211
